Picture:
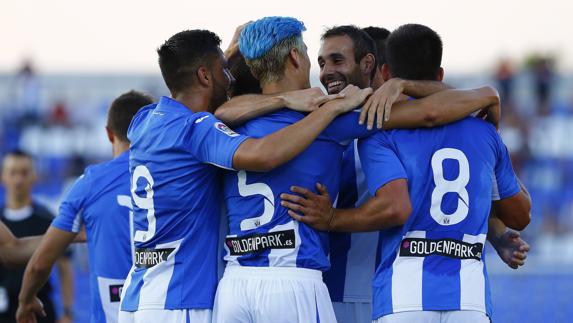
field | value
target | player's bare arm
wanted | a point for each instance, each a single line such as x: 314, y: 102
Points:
x: 507, y: 242
x: 243, y: 108
x: 389, y: 207
x: 16, y: 252
x: 445, y: 107
x: 377, y: 108
x: 267, y: 153
x: 514, y: 211
x: 38, y: 270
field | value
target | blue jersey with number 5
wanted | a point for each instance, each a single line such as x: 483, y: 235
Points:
x: 261, y: 233
x: 435, y: 261
x: 176, y: 195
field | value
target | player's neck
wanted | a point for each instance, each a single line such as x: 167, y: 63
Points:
x: 119, y: 147
x: 195, y: 101
x: 15, y: 202
x: 283, y: 85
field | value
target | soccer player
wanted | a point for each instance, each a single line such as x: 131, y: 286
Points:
x: 378, y: 35
x: 431, y: 266
x: 99, y: 200
x: 344, y: 50
x: 177, y: 150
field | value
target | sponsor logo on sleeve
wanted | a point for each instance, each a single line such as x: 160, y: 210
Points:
x: 257, y: 243
x: 224, y: 129
x: 419, y: 247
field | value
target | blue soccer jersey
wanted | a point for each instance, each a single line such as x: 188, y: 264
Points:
x: 435, y: 261
x: 101, y: 201
x: 352, y: 255
x: 261, y: 233
x: 175, y: 156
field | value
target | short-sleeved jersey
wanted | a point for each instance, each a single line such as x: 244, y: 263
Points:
x: 176, y: 195
x: 100, y: 200
x: 261, y: 233
x: 353, y: 256
x: 435, y: 260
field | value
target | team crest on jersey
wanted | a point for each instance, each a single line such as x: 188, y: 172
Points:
x: 226, y: 130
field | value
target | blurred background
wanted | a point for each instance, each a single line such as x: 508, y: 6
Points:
x: 62, y: 63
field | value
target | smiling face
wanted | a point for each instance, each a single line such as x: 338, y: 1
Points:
x: 338, y: 66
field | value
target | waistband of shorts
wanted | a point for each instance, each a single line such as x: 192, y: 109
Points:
x: 233, y: 271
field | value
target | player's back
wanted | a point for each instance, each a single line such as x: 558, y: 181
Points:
x: 176, y: 210
x: 101, y: 201
x: 434, y: 261
x: 261, y: 231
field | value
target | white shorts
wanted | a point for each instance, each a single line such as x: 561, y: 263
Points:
x: 272, y: 294
x: 435, y: 317
x: 166, y: 316
x: 353, y: 312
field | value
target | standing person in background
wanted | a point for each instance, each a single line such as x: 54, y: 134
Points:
x: 25, y: 217
x: 100, y: 199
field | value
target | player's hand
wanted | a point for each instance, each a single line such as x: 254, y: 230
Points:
x: 308, y: 100
x: 313, y: 209
x: 491, y: 114
x: 511, y: 248
x: 233, y: 48
x: 27, y: 312
x: 377, y: 108
x: 353, y: 97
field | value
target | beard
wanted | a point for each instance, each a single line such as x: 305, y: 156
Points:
x: 336, y: 82
x: 220, y: 96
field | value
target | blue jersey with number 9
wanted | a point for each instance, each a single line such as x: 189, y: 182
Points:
x: 175, y: 156
x: 435, y: 261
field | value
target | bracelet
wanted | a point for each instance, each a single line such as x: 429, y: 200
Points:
x: 332, y: 209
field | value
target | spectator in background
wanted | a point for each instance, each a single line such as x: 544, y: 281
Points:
x: 27, y: 95
x: 543, y: 72
x: 505, y: 75
x: 25, y: 217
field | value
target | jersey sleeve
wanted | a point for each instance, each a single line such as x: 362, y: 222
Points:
x: 346, y: 127
x: 69, y: 216
x: 379, y: 161
x: 211, y: 141
x: 505, y: 182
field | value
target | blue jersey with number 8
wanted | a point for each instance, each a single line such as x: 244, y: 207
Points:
x: 435, y: 261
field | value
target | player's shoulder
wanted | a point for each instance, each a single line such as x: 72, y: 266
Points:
x: 271, y: 122
x: 138, y: 119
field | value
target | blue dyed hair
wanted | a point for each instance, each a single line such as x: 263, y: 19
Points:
x: 258, y: 37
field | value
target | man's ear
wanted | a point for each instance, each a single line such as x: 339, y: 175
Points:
x: 367, y: 64
x: 386, y: 72
x: 203, y: 76
x: 294, y: 57
x: 110, y: 135
x: 440, y: 76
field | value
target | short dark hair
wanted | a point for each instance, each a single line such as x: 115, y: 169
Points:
x: 182, y: 54
x: 122, y: 110
x: 414, y: 52
x: 18, y: 153
x: 245, y: 82
x: 379, y: 36
x: 363, y: 43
